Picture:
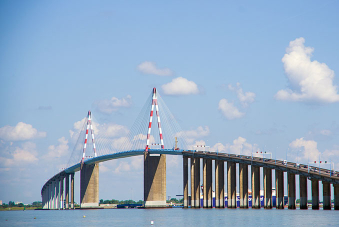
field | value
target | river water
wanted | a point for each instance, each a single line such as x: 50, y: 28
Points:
x: 170, y: 217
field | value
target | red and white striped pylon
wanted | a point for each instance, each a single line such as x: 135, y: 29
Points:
x: 154, y: 103
x: 89, y: 125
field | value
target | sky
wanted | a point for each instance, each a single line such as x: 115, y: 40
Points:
x: 239, y: 76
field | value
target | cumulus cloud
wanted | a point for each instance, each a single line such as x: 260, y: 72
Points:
x: 148, y: 67
x: 109, y: 106
x: 308, y: 148
x: 21, y: 155
x: 112, y: 130
x: 229, y: 110
x: 58, y: 151
x: 132, y: 164
x: 192, y: 135
x: 239, y: 146
x: 310, y: 81
x: 245, y: 98
x: 21, y: 131
x: 325, y: 132
x: 180, y: 86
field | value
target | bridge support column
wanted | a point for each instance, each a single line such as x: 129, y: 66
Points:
x: 154, y: 181
x: 326, y: 195
x: 72, y: 190
x: 57, y: 194
x: 67, y: 192
x: 231, y: 185
x: 197, y: 182
x: 279, y: 188
x: 303, y: 192
x: 207, y: 190
x: 267, y: 188
x: 50, y: 186
x: 243, y: 185
x: 192, y: 183
x: 89, y: 186
x: 315, y: 194
x: 219, y: 184
x: 255, y: 186
x: 44, y: 198
x: 53, y: 194
x: 336, y: 196
x: 185, y: 179
x: 291, y: 190
x: 62, y: 193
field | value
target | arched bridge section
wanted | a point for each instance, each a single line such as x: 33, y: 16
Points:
x: 58, y: 188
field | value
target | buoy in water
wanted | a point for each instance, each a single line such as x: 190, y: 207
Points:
x: 84, y: 216
x: 152, y: 222
x: 34, y: 217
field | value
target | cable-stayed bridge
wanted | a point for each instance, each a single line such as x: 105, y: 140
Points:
x: 155, y: 141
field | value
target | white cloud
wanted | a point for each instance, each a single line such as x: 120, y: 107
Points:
x: 180, y: 86
x: 245, y: 98
x: 148, y: 67
x: 21, y: 155
x: 310, y: 81
x: 132, y: 164
x: 192, y: 135
x: 113, y: 104
x: 239, y: 146
x: 229, y: 110
x: 308, y: 148
x: 58, y: 151
x: 112, y: 130
x: 325, y: 132
x: 21, y: 131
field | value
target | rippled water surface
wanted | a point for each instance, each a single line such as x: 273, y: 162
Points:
x: 170, y: 217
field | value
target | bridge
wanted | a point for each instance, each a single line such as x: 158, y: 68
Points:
x: 60, y: 187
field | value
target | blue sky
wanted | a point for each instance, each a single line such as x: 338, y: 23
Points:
x: 237, y: 75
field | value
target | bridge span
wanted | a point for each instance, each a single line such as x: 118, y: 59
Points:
x: 57, y: 188
x: 53, y: 191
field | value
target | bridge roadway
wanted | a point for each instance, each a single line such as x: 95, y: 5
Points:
x: 52, y: 191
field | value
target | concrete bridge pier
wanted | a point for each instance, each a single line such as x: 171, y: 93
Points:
x: 207, y: 179
x: 219, y: 184
x: 231, y: 185
x: 279, y: 188
x: 255, y: 186
x: 326, y: 195
x: 267, y: 188
x: 336, y: 196
x: 43, y: 196
x: 89, y: 186
x: 303, y: 192
x: 243, y: 185
x: 53, y: 195
x: 192, y: 183
x: 72, y: 190
x: 185, y: 180
x: 62, y: 193
x: 291, y: 190
x: 50, y: 195
x: 57, y: 194
x: 67, y: 191
x: 154, y: 181
x: 195, y: 182
x: 315, y: 194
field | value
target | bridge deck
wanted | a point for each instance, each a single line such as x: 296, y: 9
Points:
x: 301, y: 169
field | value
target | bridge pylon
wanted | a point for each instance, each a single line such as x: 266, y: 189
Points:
x: 154, y: 166
x: 89, y: 174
